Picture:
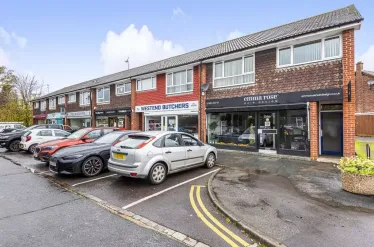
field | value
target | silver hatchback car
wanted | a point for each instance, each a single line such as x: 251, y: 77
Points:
x: 154, y: 155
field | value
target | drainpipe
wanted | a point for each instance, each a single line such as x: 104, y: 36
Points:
x: 308, y: 115
x: 199, y: 116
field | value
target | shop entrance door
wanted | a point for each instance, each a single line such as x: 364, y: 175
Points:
x: 267, y: 131
x: 332, y: 133
x: 169, y: 123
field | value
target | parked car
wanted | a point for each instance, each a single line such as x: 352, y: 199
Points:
x: 32, y: 138
x: 12, y: 125
x: 87, y: 135
x: 154, y: 155
x: 9, y: 130
x: 87, y: 159
x: 12, y: 140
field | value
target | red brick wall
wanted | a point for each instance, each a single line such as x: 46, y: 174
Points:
x: 364, y: 92
x: 269, y: 79
x: 202, y: 116
x: 135, y: 117
x: 58, y: 107
x: 72, y: 107
x: 314, y: 130
x: 349, y: 108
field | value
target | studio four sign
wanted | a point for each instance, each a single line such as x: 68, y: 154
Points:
x: 113, y: 112
x: 78, y: 114
x: 178, y: 106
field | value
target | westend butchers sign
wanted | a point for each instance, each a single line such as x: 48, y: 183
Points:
x: 189, y: 105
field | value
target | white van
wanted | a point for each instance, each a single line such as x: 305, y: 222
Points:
x: 11, y: 125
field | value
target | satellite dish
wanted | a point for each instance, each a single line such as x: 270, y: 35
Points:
x: 204, y: 87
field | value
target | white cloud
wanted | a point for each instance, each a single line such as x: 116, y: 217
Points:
x: 4, y: 36
x: 178, y: 12
x: 368, y: 58
x: 139, y: 45
x: 234, y: 34
x: 21, y: 41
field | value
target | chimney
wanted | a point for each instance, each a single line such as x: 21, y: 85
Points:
x: 359, y: 67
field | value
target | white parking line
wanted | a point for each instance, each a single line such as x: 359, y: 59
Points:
x: 165, y: 190
x: 94, y: 180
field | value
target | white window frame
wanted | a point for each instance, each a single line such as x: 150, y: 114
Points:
x: 75, y: 98
x: 122, y: 84
x: 50, y: 107
x: 36, y: 105
x: 43, y: 105
x: 172, y: 77
x: 61, y: 97
x: 323, y: 58
x: 81, y: 94
x: 223, y: 71
x: 144, y: 79
x: 97, y: 95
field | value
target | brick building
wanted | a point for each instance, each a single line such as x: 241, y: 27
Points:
x: 288, y: 90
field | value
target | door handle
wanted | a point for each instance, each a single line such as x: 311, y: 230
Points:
x: 189, y: 150
x: 168, y: 152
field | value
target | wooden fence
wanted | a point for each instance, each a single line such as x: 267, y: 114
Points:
x: 365, y: 125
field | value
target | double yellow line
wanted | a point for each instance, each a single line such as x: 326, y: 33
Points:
x: 230, y: 237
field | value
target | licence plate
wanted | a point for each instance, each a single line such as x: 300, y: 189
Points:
x: 119, y: 156
x: 52, y: 163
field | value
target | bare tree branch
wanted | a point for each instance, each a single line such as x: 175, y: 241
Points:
x: 27, y: 87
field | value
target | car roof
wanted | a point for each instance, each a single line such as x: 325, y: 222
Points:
x: 158, y: 133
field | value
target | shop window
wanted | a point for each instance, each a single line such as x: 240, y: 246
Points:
x: 293, y: 130
x: 85, y: 98
x: 188, y: 124
x: 102, y: 122
x: 103, y: 95
x: 179, y: 82
x: 72, y: 98
x: 153, y: 123
x: 237, y: 129
x: 124, y: 88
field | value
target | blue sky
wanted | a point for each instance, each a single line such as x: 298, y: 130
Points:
x: 67, y: 42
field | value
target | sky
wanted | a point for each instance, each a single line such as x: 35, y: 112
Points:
x: 66, y: 42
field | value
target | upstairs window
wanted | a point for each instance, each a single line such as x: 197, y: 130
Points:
x: 103, y: 95
x: 234, y: 72
x: 43, y: 105
x: 85, y: 98
x: 61, y: 100
x: 72, y: 98
x: 146, y: 84
x: 124, y: 88
x: 36, y: 105
x: 179, y: 82
x: 52, y: 104
x: 317, y: 50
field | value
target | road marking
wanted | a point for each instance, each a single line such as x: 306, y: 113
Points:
x: 88, y: 181
x: 43, y: 172
x: 165, y: 190
x: 215, y: 221
x: 206, y: 222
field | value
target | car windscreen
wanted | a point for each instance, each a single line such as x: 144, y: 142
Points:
x: 77, y: 134
x: 109, y: 138
x: 133, y: 141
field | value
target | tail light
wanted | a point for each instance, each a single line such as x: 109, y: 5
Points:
x: 146, y: 142
x: 28, y: 138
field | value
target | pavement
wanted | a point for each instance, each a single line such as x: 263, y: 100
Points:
x: 294, y: 202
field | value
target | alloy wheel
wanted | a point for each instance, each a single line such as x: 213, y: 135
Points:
x: 210, y: 161
x: 92, y: 166
x: 14, y: 146
x: 158, y: 173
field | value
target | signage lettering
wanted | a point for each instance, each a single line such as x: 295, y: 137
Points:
x: 168, y: 107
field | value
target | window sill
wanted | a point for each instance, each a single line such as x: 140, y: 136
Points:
x: 181, y: 93
x: 103, y: 103
x: 153, y: 89
x: 72, y: 102
x: 84, y: 105
x: 307, y: 63
x: 123, y: 94
x: 238, y: 85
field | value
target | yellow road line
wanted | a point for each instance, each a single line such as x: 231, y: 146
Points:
x: 215, y: 221
x: 206, y: 222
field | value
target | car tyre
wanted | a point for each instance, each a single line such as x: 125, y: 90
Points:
x: 92, y: 166
x: 157, y: 174
x: 210, y: 160
x: 14, y: 146
x: 31, y: 149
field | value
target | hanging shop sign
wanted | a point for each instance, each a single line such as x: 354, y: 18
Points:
x: 277, y: 98
x: 55, y: 115
x: 117, y: 112
x: 178, y: 106
x: 79, y: 114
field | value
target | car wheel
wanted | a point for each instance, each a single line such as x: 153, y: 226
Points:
x: 32, y: 148
x: 14, y: 146
x: 92, y: 166
x: 210, y: 160
x: 157, y: 174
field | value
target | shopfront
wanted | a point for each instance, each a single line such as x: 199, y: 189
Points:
x: 269, y: 123
x: 113, y: 118
x: 179, y: 116
x: 56, y: 118
x: 40, y: 118
x: 79, y: 119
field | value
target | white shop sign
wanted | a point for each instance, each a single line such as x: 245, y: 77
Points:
x: 79, y: 114
x: 168, y: 108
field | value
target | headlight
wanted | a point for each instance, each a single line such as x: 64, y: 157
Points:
x: 73, y: 157
x: 49, y: 148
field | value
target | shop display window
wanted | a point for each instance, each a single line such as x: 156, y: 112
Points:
x: 293, y: 130
x: 153, y: 123
x: 238, y: 128
x: 102, y: 122
x: 188, y: 124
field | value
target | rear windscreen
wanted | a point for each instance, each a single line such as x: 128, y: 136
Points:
x: 133, y: 142
x: 27, y: 133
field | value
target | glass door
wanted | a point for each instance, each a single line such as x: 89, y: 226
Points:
x: 332, y: 133
x: 267, y: 130
x: 169, y: 123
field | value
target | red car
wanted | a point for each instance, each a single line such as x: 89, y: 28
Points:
x: 87, y: 135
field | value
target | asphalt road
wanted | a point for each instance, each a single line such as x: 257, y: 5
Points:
x: 34, y: 212
x: 169, y: 204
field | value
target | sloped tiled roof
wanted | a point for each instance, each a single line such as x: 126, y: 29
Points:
x: 369, y: 73
x: 316, y: 23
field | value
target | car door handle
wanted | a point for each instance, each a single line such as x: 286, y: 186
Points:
x: 189, y: 150
x: 168, y: 152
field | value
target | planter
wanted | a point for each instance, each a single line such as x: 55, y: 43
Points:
x: 357, y: 183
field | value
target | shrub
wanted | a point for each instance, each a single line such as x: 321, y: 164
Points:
x: 357, y: 165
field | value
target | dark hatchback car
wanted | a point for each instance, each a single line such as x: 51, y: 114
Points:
x: 87, y: 159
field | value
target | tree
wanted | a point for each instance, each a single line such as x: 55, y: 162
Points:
x: 7, y: 79
x: 27, y: 87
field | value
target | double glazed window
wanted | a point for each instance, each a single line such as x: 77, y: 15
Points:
x: 124, y: 88
x: 72, y: 98
x: 36, y: 105
x: 43, y: 105
x: 310, y: 52
x: 179, y: 82
x: 52, y: 103
x: 146, y: 84
x: 85, y: 98
x: 234, y: 72
x: 103, y: 95
x: 61, y: 100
